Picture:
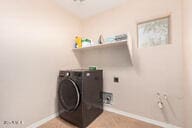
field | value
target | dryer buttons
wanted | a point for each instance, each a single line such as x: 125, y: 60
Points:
x: 88, y: 74
x: 67, y: 74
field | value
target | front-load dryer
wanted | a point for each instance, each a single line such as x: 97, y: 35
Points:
x: 80, y: 96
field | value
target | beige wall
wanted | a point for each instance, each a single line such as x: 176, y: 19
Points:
x: 36, y: 37
x: 157, y: 69
x: 187, y: 39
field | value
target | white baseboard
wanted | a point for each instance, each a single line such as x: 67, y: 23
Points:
x: 39, y: 123
x: 144, y: 119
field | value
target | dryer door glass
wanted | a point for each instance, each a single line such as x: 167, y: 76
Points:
x: 69, y: 95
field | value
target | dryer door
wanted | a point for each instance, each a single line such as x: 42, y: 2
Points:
x: 69, y: 95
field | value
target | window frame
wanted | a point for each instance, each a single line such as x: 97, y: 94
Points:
x: 155, y: 19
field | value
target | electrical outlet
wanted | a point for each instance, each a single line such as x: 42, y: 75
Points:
x: 116, y: 79
x: 107, y: 98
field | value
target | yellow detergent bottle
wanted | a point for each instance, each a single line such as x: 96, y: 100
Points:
x: 78, y: 40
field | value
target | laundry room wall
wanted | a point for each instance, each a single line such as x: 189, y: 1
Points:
x: 155, y: 69
x: 187, y: 41
x: 36, y: 38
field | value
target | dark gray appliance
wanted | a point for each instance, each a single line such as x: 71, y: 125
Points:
x: 80, y: 96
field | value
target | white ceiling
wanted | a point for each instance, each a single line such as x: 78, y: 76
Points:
x: 89, y: 8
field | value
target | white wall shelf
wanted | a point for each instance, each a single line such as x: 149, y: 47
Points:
x: 104, y: 45
x: 125, y: 43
